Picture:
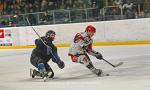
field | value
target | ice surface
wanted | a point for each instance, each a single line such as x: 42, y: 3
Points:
x: 134, y: 74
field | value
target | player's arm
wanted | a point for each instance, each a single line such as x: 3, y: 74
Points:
x: 57, y: 60
x: 79, y: 39
x: 39, y: 43
x: 55, y: 57
x: 93, y: 52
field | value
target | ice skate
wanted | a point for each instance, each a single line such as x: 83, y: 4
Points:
x: 33, y: 72
x: 100, y: 73
x: 46, y: 76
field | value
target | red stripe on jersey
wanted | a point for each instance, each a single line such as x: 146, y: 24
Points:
x: 78, y: 37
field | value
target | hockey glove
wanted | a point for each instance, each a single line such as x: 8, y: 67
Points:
x: 98, y: 55
x: 85, y: 48
x: 61, y: 64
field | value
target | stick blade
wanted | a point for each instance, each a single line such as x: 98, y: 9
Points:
x: 119, y: 64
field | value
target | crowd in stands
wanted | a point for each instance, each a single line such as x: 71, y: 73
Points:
x: 30, y: 6
x: 130, y: 9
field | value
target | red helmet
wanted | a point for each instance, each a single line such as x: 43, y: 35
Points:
x: 90, y: 28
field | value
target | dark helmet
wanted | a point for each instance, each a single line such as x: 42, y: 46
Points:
x: 48, y: 34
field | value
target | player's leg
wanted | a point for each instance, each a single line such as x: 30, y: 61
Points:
x: 34, y: 72
x: 49, y: 70
x: 84, y: 59
x: 37, y: 62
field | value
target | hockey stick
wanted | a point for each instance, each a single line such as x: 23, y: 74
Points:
x: 116, y: 65
x: 36, y: 32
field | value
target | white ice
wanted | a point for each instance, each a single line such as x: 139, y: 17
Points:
x: 134, y: 74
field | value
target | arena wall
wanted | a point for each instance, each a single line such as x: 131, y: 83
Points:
x: 134, y: 31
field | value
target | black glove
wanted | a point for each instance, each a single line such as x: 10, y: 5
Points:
x: 61, y: 64
x: 98, y: 55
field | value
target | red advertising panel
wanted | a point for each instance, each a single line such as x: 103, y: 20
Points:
x: 1, y: 33
x: 5, y: 37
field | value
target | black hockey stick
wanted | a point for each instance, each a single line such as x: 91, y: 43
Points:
x: 36, y: 32
x: 116, y: 65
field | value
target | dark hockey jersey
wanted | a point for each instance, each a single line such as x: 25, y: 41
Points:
x: 44, y: 52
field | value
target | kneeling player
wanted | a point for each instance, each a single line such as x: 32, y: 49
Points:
x: 42, y: 54
x: 82, y: 46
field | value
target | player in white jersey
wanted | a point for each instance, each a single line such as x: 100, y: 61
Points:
x: 82, y: 46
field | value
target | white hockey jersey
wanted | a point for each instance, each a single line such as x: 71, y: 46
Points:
x: 82, y: 44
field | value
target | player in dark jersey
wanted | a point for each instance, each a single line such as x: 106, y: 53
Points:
x: 44, y: 51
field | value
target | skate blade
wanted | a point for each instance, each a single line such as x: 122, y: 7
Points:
x: 104, y: 74
x: 119, y: 64
x: 31, y: 72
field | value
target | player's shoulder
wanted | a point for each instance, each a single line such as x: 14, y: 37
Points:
x: 43, y: 37
x: 38, y: 40
x: 81, y: 34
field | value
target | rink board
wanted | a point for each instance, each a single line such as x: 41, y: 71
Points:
x: 94, y: 44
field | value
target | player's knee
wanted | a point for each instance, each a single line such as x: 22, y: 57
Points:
x: 85, y: 60
x: 41, y: 66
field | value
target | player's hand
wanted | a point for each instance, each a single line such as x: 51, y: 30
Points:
x: 98, y: 55
x: 85, y: 48
x: 61, y: 64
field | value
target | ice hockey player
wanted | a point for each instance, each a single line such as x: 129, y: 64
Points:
x: 82, y: 46
x: 42, y: 54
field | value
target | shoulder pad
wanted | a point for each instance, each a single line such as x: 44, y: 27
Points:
x: 78, y: 37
